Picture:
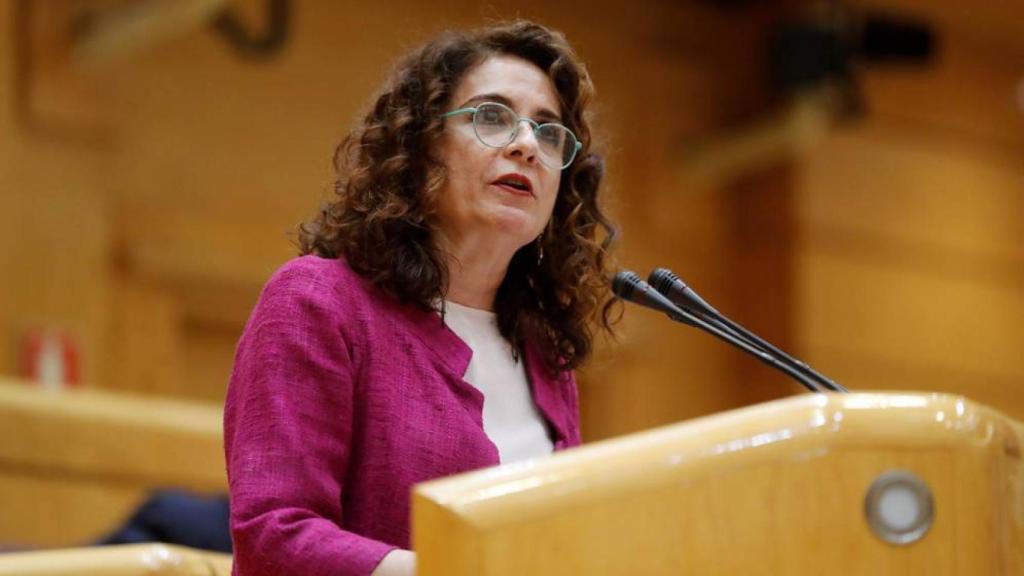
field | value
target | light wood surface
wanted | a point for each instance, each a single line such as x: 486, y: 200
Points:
x: 127, y: 560
x: 74, y: 463
x: 777, y: 488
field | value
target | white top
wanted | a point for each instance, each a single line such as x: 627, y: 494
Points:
x: 511, y: 420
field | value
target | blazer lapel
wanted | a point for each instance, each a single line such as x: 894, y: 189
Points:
x: 549, y: 396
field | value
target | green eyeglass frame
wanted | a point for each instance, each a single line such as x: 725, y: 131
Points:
x: 573, y: 149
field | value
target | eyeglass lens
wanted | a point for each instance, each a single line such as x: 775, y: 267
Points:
x: 496, y: 126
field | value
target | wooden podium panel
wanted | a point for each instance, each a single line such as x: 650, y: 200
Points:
x: 777, y: 488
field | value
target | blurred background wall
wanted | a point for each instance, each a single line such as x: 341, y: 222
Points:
x: 865, y: 213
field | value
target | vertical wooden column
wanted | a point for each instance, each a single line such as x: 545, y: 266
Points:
x: 757, y: 198
x: 763, y: 243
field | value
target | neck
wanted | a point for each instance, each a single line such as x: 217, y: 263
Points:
x: 476, y: 269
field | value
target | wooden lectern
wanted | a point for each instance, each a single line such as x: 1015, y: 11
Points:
x: 897, y: 483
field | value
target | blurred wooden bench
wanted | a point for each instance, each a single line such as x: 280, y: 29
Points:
x: 74, y: 464
x: 126, y: 560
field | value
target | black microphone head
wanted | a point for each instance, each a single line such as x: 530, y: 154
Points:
x: 662, y: 279
x: 673, y: 288
x: 624, y: 283
x: 628, y: 286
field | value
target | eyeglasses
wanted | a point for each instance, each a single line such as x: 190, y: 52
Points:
x: 497, y: 125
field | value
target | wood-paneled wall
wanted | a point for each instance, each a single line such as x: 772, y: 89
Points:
x: 911, y: 274
x: 911, y: 257
x: 153, y: 246
x: 55, y: 223
x: 217, y: 159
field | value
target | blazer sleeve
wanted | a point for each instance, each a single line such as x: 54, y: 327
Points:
x: 287, y: 435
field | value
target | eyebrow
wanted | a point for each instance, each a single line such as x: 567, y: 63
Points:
x: 543, y: 114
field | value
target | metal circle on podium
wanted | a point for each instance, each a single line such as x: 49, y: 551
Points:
x: 899, y: 507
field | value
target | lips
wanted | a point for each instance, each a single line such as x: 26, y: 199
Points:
x: 515, y: 182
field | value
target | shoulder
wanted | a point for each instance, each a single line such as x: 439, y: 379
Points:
x: 318, y: 282
x: 310, y: 293
x: 313, y: 274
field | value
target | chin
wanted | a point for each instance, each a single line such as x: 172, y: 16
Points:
x: 518, y: 223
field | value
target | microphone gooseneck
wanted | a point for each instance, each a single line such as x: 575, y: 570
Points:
x: 673, y: 288
x: 628, y: 286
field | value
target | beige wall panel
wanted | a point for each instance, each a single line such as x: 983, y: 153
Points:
x: 969, y: 89
x: 145, y: 342
x: 887, y: 185
x: 208, y: 355
x: 893, y: 317
x: 54, y: 226
x: 7, y: 68
x: 657, y: 373
x: 908, y: 315
x: 911, y: 266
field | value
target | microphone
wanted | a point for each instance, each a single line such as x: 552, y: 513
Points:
x: 628, y: 286
x: 668, y: 284
x: 671, y: 286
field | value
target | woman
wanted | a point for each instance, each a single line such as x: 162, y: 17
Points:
x: 442, y: 301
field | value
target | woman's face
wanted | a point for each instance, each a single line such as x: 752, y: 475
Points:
x: 474, y: 203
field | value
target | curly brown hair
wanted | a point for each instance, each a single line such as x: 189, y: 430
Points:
x: 382, y: 219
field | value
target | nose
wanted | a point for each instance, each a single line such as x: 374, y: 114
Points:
x: 524, y: 144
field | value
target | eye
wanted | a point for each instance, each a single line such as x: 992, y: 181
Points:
x: 491, y: 116
x: 551, y: 135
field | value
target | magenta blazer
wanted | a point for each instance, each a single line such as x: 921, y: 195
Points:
x: 341, y: 399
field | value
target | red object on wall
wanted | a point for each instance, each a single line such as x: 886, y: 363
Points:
x: 50, y: 358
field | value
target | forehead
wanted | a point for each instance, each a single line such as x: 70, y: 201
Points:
x: 525, y: 85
